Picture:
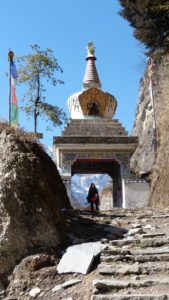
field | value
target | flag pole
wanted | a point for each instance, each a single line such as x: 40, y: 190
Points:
x: 10, y: 58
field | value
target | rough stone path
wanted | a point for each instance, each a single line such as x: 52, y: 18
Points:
x: 136, y: 267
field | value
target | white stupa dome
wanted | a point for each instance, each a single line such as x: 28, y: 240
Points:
x: 91, y: 101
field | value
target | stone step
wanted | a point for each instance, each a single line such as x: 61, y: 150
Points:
x: 92, y: 134
x: 150, y: 251
x: 134, y: 258
x: 88, y: 132
x: 153, y: 235
x: 142, y: 243
x: 160, y: 216
x: 112, y: 124
x: 124, y: 242
x: 115, y: 251
x: 112, y: 129
x: 126, y: 269
x: 95, y: 120
x: 108, y: 284
x: 94, y: 127
x: 108, y: 131
x: 87, y: 124
x: 136, y: 268
x: 131, y: 297
x: 109, y: 127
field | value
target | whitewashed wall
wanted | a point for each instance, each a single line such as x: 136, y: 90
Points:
x: 135, y: 193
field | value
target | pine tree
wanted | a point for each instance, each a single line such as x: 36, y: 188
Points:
x: 35, y: 69
x: 150, y: 20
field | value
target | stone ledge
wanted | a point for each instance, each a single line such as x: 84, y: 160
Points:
x: 94, y: 140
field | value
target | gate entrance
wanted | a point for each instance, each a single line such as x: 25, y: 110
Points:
x: 110, y: 167
x: 92, y: 132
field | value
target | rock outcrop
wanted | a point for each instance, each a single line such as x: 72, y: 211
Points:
x: 160, y: 174
x: 152, y: 154
x: 31, y: 198
x: 143, y: 158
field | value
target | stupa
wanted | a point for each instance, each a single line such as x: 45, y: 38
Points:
x: 93, y: 141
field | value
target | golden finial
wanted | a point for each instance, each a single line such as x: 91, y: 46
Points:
x: 90, y: 48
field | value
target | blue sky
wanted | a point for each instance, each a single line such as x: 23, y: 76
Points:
x: 66, y: 26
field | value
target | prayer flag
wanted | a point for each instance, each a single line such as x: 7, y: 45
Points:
x: 14, y: 113
x: 13, y: 70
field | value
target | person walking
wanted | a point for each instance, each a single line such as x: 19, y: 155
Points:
x: 93, y: 197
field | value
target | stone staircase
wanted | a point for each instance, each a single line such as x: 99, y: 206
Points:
x: 91, y: 127
x: 136, y: 267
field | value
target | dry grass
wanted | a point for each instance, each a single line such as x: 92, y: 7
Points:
x: 19, y: 132
x: 28, y: 139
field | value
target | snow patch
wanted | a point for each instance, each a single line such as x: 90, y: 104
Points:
x: 80, y: 184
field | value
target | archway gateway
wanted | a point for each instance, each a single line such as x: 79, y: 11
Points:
x: 110, y: 167
x: 93, y: 141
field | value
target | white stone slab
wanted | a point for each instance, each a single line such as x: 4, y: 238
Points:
x: 79, y: 258
x: 94, y: 248
x: 75, y: 262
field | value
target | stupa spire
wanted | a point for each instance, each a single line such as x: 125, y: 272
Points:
x: 91, y: 78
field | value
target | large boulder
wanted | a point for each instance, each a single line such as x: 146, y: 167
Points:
x: 32, y: 196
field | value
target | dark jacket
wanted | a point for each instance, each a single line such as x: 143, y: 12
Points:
x: 92, y: 192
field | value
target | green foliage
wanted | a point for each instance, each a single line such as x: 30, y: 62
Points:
x: 150, y: 20
x: 35, y: 70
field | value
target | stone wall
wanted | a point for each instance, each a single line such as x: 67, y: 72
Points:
x: 31, y: 198
x: 135, y: 193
